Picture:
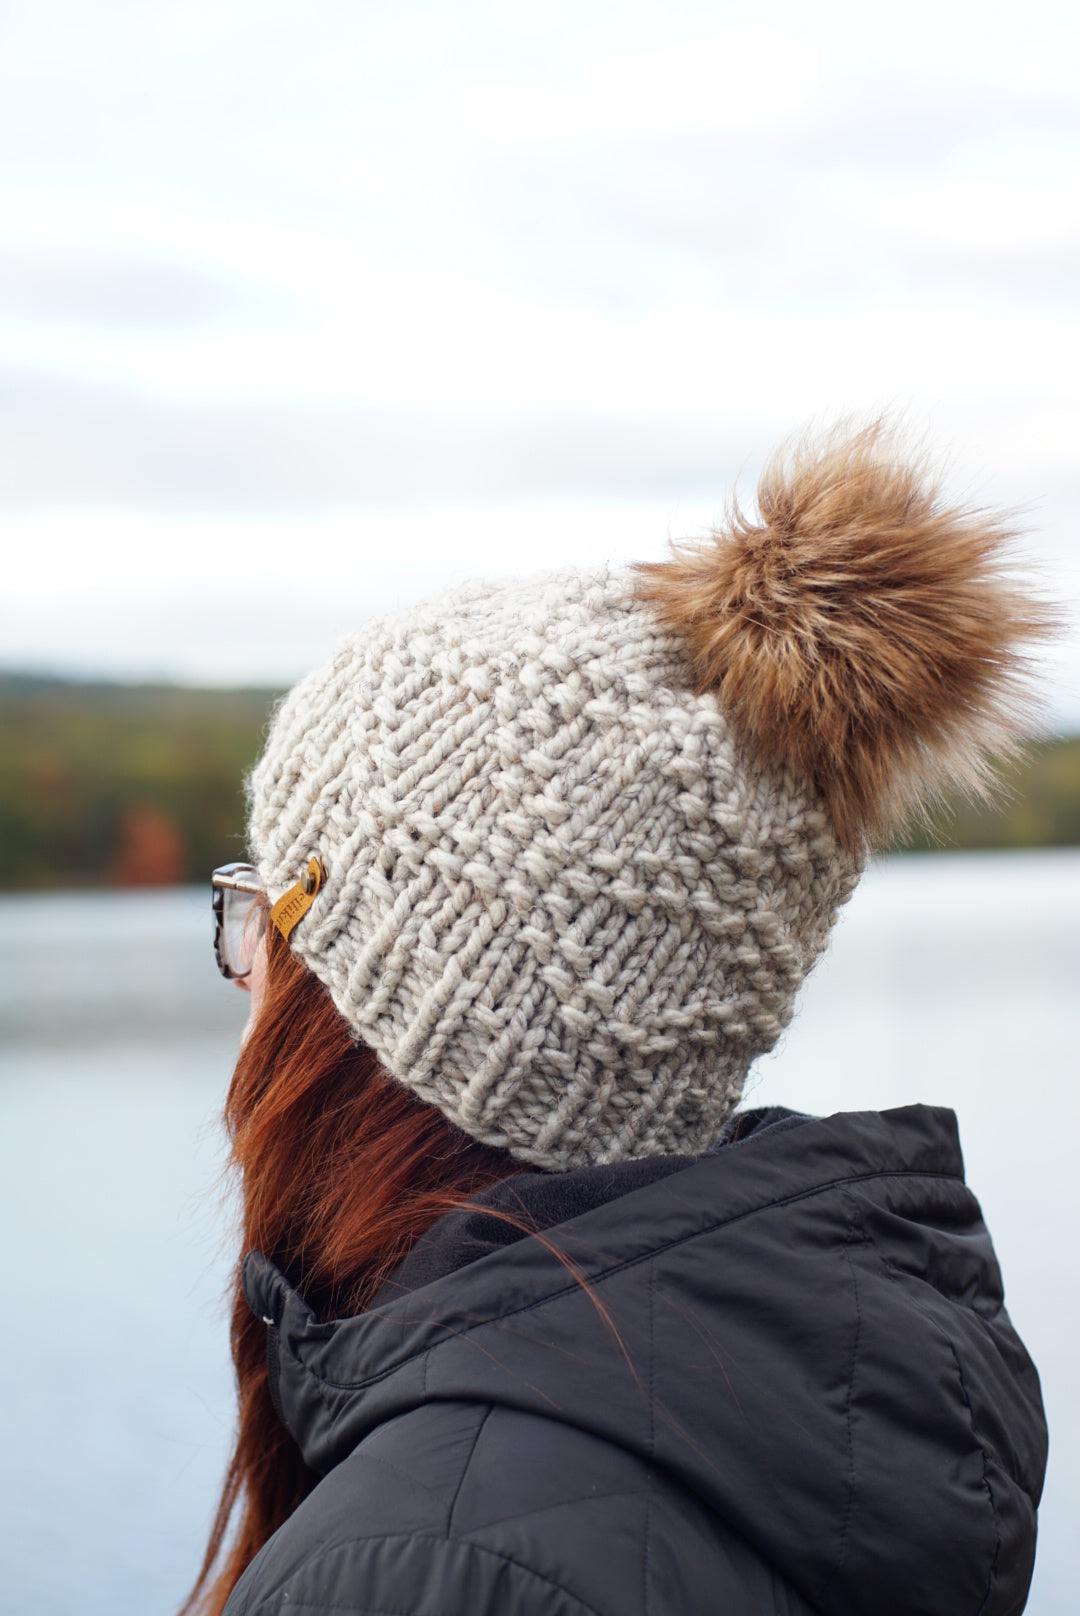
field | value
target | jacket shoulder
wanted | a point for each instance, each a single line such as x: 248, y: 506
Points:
x: 462, y: 1509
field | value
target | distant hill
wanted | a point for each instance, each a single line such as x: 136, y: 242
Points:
x: 1039, y: 806
x: 122, y: 785
x: 142, y: 785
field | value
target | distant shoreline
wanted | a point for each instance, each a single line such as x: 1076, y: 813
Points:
x: 108, y: 785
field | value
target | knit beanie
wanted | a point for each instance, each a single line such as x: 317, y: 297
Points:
x: 582, y: 837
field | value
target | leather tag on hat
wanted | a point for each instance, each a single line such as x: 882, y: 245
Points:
x: 293, y: 905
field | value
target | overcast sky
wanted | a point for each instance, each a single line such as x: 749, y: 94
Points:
x: 308, y: 309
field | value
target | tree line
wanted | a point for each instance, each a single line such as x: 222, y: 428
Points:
x: 142, y: 785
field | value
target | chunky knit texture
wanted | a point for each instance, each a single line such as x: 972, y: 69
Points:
x: 584, y: 837
x: 562, y: 903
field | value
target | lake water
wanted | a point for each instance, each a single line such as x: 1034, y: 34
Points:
x: 952, y: 978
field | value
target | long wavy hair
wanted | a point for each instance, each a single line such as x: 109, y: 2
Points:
x: 341, y: 1171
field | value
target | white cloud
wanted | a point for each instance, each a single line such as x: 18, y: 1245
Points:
x: 744, y: 80
x: 414, y: 267
x: 244, y: 600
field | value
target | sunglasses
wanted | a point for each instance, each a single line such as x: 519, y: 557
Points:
x: 240, y: 911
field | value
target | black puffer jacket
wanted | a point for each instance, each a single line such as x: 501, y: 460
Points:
x: 789, y: 1386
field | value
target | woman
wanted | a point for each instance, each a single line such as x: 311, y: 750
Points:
x: 531, y: 1319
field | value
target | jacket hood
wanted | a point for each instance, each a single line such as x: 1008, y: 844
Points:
x: 805, y: 1329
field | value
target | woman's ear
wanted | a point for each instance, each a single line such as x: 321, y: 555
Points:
x: 255, y: 984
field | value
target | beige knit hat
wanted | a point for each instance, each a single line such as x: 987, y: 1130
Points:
x: 583, y: 837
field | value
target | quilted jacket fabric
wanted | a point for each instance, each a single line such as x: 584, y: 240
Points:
x: 772, y: 1380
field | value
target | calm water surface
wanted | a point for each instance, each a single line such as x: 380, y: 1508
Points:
x: 953, y: 979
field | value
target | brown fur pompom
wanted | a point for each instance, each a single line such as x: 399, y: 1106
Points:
x: 861, y: 632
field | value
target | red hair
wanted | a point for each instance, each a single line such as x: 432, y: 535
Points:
x: 341, y: 1170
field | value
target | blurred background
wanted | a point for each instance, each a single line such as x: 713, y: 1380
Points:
x: 307, y: 311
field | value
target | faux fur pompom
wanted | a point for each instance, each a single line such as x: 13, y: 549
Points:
x: 861, y: 632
